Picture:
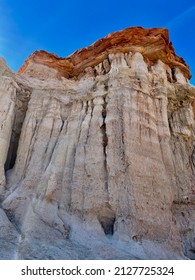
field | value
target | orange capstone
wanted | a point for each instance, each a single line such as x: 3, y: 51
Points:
x: 152, y: 43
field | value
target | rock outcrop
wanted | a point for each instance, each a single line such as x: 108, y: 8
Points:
x: 97, y: 152
x: 153, y: 44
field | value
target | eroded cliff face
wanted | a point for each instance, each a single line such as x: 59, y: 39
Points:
x: 97, y: 154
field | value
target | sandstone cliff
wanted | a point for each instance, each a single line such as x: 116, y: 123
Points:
x: 97, y: 152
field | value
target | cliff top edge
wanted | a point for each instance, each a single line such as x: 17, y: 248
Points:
x: 152, y: 43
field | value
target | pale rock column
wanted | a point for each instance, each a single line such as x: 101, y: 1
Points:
x: 7, y: 101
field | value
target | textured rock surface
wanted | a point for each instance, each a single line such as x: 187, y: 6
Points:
x: 97, y: 155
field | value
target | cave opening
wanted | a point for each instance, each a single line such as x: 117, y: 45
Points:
x: 12, y: 152
x: 108, y: 225
x: 107, y: 217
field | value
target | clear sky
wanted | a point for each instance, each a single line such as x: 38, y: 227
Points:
x: 61, y: 26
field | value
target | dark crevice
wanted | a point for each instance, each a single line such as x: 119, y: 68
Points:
x: 107, y: 219
x: 170, y: 124
x: 106, y: 66
x: 21, y: 106
x: 86, y: 112
x: 55, y: 144
x: 12, y: 152
x: 88, y: 107
x: 105, y: 140
x: 173, y: 75
x: 61, y: 127
x: 169, y: 78
x: 108, y: 226
x: 31, y: 146
x: 95, y: 72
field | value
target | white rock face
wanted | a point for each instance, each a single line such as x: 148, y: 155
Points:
x: 7, y: 100
x: 99, y: 167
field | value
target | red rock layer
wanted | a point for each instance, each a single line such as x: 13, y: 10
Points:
x: 152, y: 43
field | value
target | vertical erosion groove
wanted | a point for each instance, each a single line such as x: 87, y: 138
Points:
x: 88, y: 111
x: 21, y: 106
x: 173, y: 70
x: 78, y: 138
x: 105, y: 141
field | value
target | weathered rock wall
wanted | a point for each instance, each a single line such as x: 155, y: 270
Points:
x: 102, y: 164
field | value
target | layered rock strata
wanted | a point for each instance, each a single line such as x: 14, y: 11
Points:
x: 97, y: 152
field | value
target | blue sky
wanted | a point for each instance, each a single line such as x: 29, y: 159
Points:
x: 65, y: 26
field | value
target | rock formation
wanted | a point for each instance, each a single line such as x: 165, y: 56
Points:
x: 97, y: 152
